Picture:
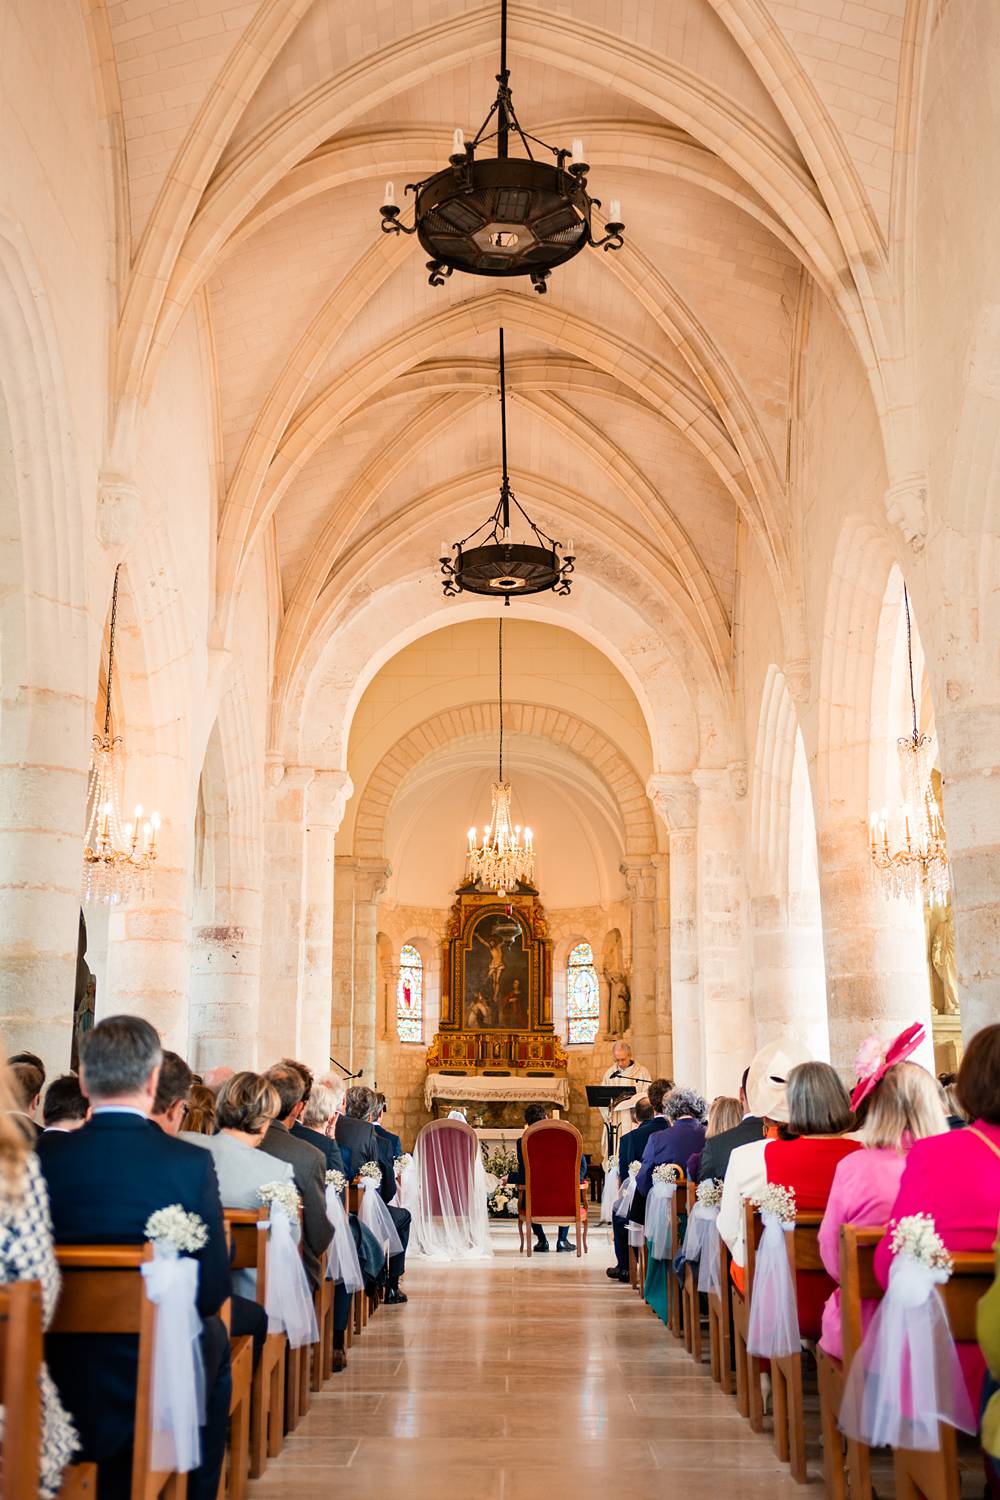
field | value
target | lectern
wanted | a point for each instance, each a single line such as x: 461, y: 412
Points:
x: 606, y: 1096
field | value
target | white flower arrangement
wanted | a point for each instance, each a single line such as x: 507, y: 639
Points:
x: 175, y: 1226
x: 501, y: 1162
x: 284, y: 1194
x: 402, y: 1162
x: 371, y: 1169
x: 635, y: 1168
x: 502, y: 1200
x: 336, y: 1180
x: 777, y: 1200
x: 666, y: 1172
x: 709, y: 1192
x: 917, y: 1237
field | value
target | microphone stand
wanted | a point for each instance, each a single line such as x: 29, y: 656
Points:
x: 346, y: 1071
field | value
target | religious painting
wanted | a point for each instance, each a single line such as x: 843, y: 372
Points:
x: 497, y: 975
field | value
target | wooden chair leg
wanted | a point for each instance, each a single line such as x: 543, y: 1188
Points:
x: 831, y: 1384
x: 779, y: 1397
x: 276, y: 1408
x: 929, y: 1476
x: 740, y: 1360
x: 714, y: 1341
x: 796, y: 1418
x: 293, y: 1369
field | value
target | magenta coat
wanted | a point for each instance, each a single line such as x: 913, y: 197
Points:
x: 864, y: 1189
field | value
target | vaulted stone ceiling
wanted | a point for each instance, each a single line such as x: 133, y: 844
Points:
x: 356, y: 420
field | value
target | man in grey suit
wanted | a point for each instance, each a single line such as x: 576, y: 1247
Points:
x: 359, y: 1144
x: 308, y: 1167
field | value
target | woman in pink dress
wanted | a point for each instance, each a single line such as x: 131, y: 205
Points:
x: 956, y: 1177
x: 904, y: 1106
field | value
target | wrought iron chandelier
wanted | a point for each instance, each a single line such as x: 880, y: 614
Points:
x: 502, y: 861
x: 911, y: 857
x: 494, y: 565
x: 117, y: 856
x: 504, y: 215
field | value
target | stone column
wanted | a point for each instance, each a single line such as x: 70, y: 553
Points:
x: 326, y: 797
x: 354, y: 1022
x: 723, y: 930
x: 789, y: 981
x: 675, y: 801
x: 640, y: 879
x: 225, y: 989
x: 284, y: 819
x: 664, y: 1003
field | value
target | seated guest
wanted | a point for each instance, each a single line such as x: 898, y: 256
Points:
x: 173, y: 1093
x: 315, y: 1113
x: 819, y: 1112
x: 216, y: 1077
x: 767, y: 1096
x: 903, y: 1107
x: 104, y: 1181
x: 27, y: 1081
x: 956, y: 1177
x: 26, y: 1254
x: 199, y: 1118
x: 950, y: 1101
x: 685, y: 1134
x: 715, y: 1156
x: 395, y: 1144
x: 359, y: 1144
x: 308, y: 1166
x: 532, y: 1115
x: 725, y: 1114
x: 627, y: 1154
x: 65, y: 1106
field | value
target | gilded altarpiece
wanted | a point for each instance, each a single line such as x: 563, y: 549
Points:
x: 496, y: 989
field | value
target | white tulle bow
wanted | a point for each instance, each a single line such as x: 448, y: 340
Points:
x: 906, y: 1377
x: 610, y: 1194
x: 773, y: 1330
x: 701, y: 1244
x: 342, y: 1264
x: 659, y: 1214
x: 178, y: 1397
x: 375, y: 1216
x: 407, y: 1191
x: 288, y: 1303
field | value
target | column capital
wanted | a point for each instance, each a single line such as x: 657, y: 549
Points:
x: 640, y: 878
x: 675, y: 799
x: 797, y: 672
x: 119, y: 504
x: 326, y: 798
x: 371, y: 876
x: 906, y: 507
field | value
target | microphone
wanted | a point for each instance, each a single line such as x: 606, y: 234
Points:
x: 346, y: 1071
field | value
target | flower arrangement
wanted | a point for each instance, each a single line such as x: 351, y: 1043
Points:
x: 371, y: 1169
x: 175, y: 1226
x: 635, y: 1168
x: 667, y: 1172
x: 777, y: 1200
x: 284, y: 1194
x: 402, y: 1162
x: 501, y: 1162
x: 917, y: 1237
x: 709, y: 1192
x: 336, y: 1180
x: 502, y: 1201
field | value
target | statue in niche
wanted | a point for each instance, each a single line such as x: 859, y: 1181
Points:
x: 943, y: 959
x: 620, y: 1004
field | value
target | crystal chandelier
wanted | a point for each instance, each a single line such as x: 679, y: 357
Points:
x: 495, y: 565
x: 501, y: 862
x: 117, y: 856
x: 911, y: 857
x: 504, y: 215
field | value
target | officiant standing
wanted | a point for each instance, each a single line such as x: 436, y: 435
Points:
x: 623, y: 1070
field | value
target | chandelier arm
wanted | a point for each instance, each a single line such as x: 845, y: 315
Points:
x: 909, y: 658
x: 111, y: 653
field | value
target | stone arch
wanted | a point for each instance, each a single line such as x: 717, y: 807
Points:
x: 559, y: 728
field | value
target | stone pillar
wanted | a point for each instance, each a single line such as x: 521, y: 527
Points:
x: 640, y: 879
x: 326, y: 797
x: 360, y: 882
x: 877, y: 981
x: 675, y: 801
x: 284, y: 818
x: 789, y: 981
x: 225, y: 990
x: 723, y: 931
x: 664, y: 1011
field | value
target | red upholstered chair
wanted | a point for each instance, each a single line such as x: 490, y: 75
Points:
x: 552, y: 1150
x: 447, y: 1169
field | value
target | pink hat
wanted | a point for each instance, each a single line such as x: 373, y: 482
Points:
x: 873, y: 1063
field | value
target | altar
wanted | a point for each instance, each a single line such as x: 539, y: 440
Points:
x: 482, y: 1090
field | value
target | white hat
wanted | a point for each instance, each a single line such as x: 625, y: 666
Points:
x: 767, y: 1080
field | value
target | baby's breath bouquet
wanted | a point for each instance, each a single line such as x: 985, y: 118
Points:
x: 284, y: 1195
x: 777, y: 1200
x: 402, y: 1162
x: 917, y: 1237
x: 666, y: 1172
x: 635, y: 1168
x: 336, y: 1180
x: 710, y: 1192
x: 371, y: 1169
x: 175, y: 1227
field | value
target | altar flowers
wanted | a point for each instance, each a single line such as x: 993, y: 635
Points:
x: 701, y: 1242
x: 773, y: 1330
x: 288, y: 1301
x: 906, y: 1377
x: 178, y: 1396
x: 372, y: 1212
x: 342, y: 1264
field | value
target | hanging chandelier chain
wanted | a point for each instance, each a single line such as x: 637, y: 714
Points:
x: 500, y: 680
x: 111, y: 653
x: 909, y: 658
x: 503, y: 422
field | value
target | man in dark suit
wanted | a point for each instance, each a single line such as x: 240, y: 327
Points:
x: 308, y: 1167
x: 630, y: 1149
x: 315, y: 1108
x: 358, y: 1141
x: 719, y: 1148
x: 395, y: 1144
x: 104, y: 1181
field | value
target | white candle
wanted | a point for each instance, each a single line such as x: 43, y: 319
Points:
x: 458, y: 142
x: 389, y: 200
x: 445, y: 549
x: 576, y: 149
x: 616, y: 211
x: 570, y: 551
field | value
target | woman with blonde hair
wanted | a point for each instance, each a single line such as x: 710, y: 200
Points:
x: 725, y: 1113
x: 27, y: 1254
x: 903, y: 1105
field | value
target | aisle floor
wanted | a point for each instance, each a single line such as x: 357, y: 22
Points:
x: 510, y: 1380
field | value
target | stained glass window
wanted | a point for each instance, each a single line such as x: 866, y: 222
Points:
x: 583, y: 995
x: 410, y: 995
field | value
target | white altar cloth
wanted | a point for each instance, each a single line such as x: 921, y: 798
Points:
x: 512, y: 1089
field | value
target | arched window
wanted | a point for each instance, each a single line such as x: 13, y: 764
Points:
x: 583, y: 995
x: 410, y: 995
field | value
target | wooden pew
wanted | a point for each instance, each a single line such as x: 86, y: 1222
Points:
x: 322, y: 1352
x: 935, y: 1476
x: 20, y: 1396
x: 749, y: 1401
x: 103, y: 1292
x: 690, y: 1299
x: 233, y: 1481
x: 248, y: 1228
x: 857, y: 1283
x: 720, y: 1323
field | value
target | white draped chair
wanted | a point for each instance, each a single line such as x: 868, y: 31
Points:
x: 450, y: 1214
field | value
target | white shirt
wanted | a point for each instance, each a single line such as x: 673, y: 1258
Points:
x: 746, y: 1175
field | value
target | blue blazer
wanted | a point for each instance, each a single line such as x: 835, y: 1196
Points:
x: 394, y: 1140
x: 324, y: 1143
x: 104, y: 1181
x: 633, y: 1143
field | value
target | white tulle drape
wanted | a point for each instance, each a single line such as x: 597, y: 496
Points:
x: 659, y: 1217
x: 342, y: 1264
x: 906, y: 1377
x: 288, y: 1301
x: 178, y: 1396
x: 406, y: 1192
x: 610, y: 1193
x: 701, y: 1244
x: 374, y: 1215
x: 450, y: 1215
x: 773, y: 1329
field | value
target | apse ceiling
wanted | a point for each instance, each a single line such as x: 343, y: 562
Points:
x: 750, y: 143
